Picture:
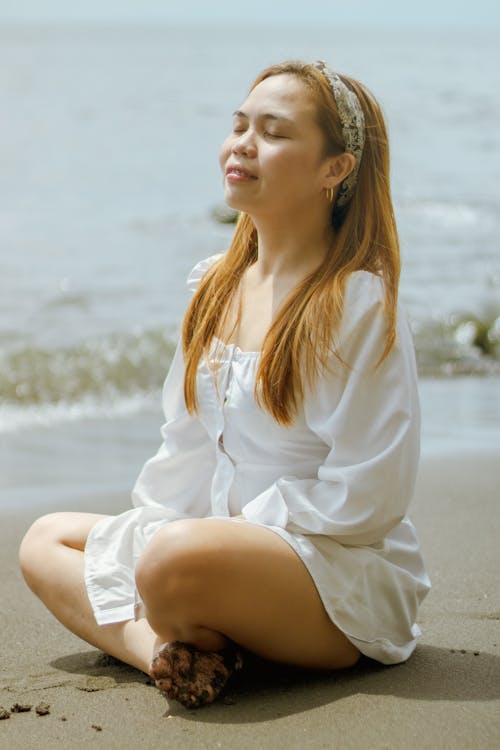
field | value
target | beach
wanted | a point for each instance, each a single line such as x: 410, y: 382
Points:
x: 446, y: 695
x: 109, y: 182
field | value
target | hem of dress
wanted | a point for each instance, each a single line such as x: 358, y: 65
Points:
x: 102, y: 615
x: 380, y: 649
x: 117, y: 614
x: 105, y: 615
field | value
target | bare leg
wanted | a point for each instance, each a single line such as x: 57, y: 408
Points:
x: 213, y: 582
x: 51, y: 557
x: 209, y: 583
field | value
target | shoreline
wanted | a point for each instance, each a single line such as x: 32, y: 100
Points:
x: 71, y: 462
x: 445, y: 696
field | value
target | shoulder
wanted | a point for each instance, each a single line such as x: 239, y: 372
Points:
x: 199, y: 270
x: 364, y: 300
x: 363, y: 290
x: 364, y: 327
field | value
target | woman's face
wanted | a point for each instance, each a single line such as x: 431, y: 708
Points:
x: 273, y: 161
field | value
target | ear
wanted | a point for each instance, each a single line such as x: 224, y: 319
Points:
x: 338, y: 168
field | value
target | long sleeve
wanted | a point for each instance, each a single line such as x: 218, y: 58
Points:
x: 368, y: 417
x: 179, y: 476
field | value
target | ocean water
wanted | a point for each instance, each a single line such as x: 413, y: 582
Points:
x: 109, y: 140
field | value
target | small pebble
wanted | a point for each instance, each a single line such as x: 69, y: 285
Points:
x: 463, y: 651
x: 4, y: 714
x: 42, y: 709
x: 20, y: 708
x: 476, y: 653
x: 97, y: 727
x: 63, y: 718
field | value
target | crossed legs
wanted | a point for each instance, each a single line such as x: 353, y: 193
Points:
x: 205, y: 582
x: 51, y: 558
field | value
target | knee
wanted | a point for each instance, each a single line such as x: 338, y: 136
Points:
x: 170, y: 572
x: 35, y: 545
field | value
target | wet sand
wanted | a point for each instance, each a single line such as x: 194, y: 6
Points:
x: 445, y: 696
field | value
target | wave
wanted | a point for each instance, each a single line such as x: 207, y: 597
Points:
x: 104, y: 376
x: 14, y: 417
x: 458, y: 345
x: 122, y: 373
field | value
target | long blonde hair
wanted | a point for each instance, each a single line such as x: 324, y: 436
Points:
x: 301, y: 338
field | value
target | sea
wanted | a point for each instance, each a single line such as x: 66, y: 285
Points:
x: 110, y: 191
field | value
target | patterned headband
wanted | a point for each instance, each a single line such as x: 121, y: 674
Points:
x: 353, y: 127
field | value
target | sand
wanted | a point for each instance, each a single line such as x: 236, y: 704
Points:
x: 445, y: 696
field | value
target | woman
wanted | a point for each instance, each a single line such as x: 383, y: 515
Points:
x: 272, y: 518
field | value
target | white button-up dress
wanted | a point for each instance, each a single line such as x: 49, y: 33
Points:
x: 336, y: 485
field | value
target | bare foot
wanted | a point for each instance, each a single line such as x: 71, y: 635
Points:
x: 190, y: 676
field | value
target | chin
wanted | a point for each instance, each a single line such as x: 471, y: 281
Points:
x: 235, y: 201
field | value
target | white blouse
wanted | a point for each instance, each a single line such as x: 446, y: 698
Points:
x: 335, y: 485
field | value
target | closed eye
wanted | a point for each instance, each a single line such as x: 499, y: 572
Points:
x: 239, y: 129
x: 273, y: 135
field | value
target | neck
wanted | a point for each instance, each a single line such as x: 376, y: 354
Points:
x: 293, y: 246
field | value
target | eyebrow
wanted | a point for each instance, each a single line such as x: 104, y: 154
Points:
x: 265, y: 116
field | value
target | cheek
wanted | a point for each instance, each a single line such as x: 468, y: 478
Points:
x: 224, y: 152
x: 292, y: 165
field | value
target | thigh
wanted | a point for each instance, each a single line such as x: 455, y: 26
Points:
x: 248, y: 583
x: 39, y: 554
x: 67, y: 528
x: 52, y: 561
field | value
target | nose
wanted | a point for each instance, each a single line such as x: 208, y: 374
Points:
x: 245, y: 144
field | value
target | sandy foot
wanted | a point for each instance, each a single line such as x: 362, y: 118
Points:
x: 193, y: 677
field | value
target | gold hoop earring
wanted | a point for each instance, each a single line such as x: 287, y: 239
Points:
x: 330, y: 194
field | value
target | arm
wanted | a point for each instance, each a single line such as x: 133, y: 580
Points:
x: 369, y: 419
x: 180, y: 474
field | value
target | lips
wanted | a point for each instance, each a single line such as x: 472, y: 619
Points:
x: 235, y: 173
